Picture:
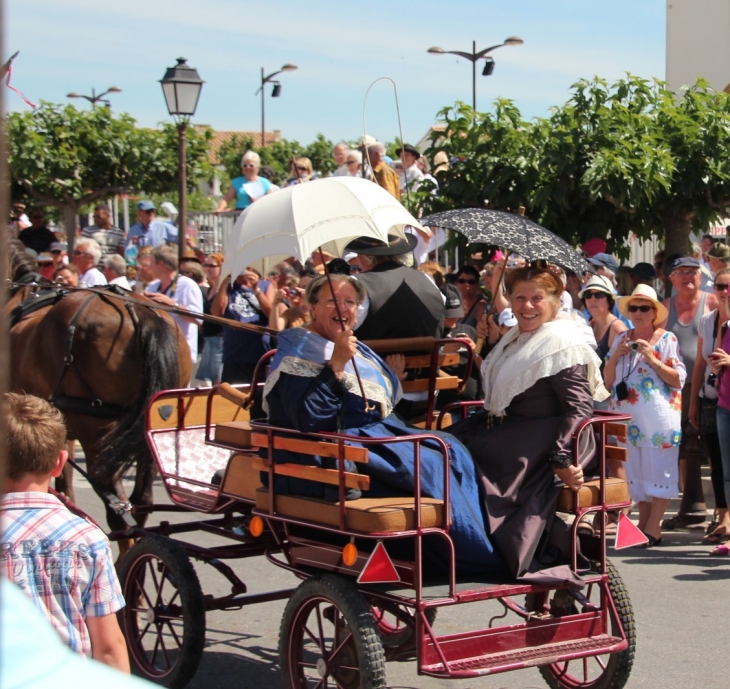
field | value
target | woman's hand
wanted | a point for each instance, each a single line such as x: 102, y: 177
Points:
x: 571, y: 476
x: 398, y: 363
x: 345, y: 348
x: 719, y: 359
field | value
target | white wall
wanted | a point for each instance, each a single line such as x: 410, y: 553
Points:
x: 698, y: 42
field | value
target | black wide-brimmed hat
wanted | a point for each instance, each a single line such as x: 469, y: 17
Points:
x: 408, y: 149
x: 372, y: 247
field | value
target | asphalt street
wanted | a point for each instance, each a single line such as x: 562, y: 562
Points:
x: 680, y: 597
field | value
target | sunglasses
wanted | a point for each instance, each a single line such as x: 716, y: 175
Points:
x: 464, y: 281
x: 351, y: 162
x: 248, y: 165
x: 83, y: 253
x: 594, y: 295
x: 211, y: 265
x: 302, y: 169
x: 690, y: 271
x: 721, y: 287
x: 633, y: 308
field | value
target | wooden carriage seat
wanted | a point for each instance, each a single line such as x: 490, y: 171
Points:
x: 589, y: 495
x: 369, y: 515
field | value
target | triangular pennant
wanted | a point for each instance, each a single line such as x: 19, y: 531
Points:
x: 628, y: 534
x: 379, y: 568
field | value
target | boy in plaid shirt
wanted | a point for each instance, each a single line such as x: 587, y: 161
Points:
x: 61, y: 561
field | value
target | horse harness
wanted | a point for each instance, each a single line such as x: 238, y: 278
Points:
x: 93, y: 405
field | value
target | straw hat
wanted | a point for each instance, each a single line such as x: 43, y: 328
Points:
x: 648, y: 294
x: 598, y: 283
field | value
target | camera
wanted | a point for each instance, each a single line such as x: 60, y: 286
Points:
x: 293, y: 293
x: 634, y: 346
x: 712, y: 380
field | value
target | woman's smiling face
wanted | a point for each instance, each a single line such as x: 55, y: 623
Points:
x: 531, y: 305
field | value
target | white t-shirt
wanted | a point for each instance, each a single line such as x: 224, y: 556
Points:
x: 186, y: 293
x: 93, y: 277
x: 122, y: 282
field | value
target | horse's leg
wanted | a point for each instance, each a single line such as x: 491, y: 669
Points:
x: 65, y: 482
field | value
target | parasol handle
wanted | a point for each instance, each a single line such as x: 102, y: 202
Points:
x: 368, y: 406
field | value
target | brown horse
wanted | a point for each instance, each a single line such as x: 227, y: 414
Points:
x: 99, y: 359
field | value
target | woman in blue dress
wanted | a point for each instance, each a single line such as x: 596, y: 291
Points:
x: 249, y: 187
x: 312, y: 387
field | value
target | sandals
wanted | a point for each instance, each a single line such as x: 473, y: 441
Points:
x: 682, y: 521
x: 717, y: 538
x: 721, y: 551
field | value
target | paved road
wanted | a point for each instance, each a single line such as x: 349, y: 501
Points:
x: 680, y: 596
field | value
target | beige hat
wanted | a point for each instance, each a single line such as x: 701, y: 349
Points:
x: 648, y: 294
x: 598, y: 283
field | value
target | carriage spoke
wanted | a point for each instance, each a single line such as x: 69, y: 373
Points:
x: 174, y: 633
x: 141, y: 634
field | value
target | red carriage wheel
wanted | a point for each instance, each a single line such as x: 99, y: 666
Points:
x: 396, y: 623
x: 329, y: 637
x: 610, y: 671
x: 164, y: 619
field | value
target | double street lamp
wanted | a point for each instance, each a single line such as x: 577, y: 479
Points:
x: 474, y: 57
x: 94, y: 98
x: 181, y: 86
x: 275, y: 93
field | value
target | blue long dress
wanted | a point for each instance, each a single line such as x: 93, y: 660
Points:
x: 303, y: 393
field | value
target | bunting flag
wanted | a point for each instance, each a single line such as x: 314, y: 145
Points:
x: 8, y: 67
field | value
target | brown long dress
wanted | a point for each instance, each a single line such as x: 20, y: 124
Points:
x: 520, y: 488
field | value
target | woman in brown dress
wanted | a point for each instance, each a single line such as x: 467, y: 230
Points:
x: 539, y: 382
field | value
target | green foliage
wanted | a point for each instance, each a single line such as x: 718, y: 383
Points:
x: 614, y: 161
x: 277, y: 156
x: 62, y: 156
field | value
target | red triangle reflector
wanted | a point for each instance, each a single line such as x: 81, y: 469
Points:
x: 379, y: 568
x: 628, y: 534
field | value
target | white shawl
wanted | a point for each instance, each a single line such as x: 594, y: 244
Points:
x: 555, y: 346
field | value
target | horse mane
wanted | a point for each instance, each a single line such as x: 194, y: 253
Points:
x: 125, y: 444
x: 20, y: 263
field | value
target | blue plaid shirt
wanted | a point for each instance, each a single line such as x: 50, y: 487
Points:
x: 61, y: 561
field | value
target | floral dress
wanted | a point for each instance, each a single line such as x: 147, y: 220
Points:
x: 655, y: 407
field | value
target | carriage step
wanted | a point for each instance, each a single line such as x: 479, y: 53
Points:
x: 515, y: 659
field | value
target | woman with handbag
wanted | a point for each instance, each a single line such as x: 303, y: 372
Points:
x: 703, y: 404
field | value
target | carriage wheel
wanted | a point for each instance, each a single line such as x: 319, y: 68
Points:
x: 610, y: 671
x: 329, y: 638
x: 396, y: 623
x: 164, y: 619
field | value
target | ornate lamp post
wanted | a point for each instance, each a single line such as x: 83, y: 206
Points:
x: 94, y: 98
x: 181, y: 86
x: 474, y: 57
x: 275, y: 93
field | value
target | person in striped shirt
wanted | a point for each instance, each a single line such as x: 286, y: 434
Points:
x: 61, y: 561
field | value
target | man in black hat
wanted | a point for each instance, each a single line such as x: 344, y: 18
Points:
x: 411, y: 177
x: 401, y: 301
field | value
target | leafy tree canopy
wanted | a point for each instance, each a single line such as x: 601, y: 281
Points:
x: 61, y: 156
x: 615, y: 160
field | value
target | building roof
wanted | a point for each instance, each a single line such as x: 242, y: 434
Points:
x: 219, y: 138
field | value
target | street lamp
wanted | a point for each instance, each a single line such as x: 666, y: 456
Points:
x: 181, y: 86
x: 275, y: 93
x: 475, y: 56
x: 94, y: 98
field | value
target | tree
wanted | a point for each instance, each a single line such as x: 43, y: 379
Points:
x: 64, y: 157
x: 630, y: 158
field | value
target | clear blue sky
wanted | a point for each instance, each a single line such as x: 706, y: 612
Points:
x: 340, y: 47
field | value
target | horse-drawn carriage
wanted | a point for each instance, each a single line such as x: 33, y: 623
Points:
x: 366, y: 595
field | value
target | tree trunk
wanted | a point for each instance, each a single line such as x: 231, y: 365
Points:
x: 677, y: 230
x: 70, y: 222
